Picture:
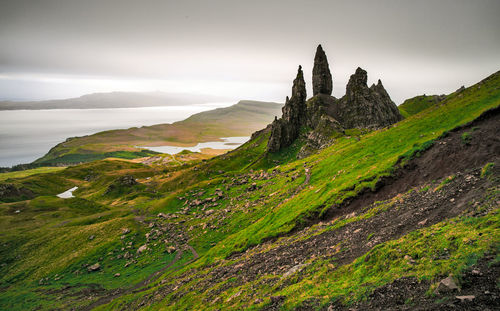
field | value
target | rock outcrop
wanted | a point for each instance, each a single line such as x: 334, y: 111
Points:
x: 284, y: 131
x: 323, y: 116
x: 366, y: 107
x: 323, y: 135
x: 9, y: 192
x: 321, y: 78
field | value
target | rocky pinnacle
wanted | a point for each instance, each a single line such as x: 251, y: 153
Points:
x: 366, y: 107
x: 294, y: 109
x: 322, y: 78
x: 284, y: 131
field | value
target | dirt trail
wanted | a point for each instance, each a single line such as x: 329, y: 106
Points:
x: 195, y: 254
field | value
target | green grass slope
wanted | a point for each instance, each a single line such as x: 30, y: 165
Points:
x: 350, y: 166
x: 25, y: 173
x: 416, y: 104
x: 197, y: 218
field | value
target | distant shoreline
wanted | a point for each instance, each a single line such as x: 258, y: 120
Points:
x: 117, y: 100
x: 86, y: 108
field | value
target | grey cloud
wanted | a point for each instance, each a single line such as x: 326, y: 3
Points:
x: 253, y: 40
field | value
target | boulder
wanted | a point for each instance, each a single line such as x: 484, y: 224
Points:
x: 252, y: 187
x: 449, y: 283
x: 293, y: 270
x: 257, y: 301
x: 446, y: 285
x: 466, y: 298
x: 127, y: 180
x: 94, y: 267
x: 161, y: 215
x: 142, y: 249
x: 170, y: 249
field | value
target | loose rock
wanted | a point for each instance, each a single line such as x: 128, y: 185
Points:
x: 94, y: 267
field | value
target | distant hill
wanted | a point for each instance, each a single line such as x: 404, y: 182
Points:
x: 416, y: 104
x: 241, y: 119
x: 114, y: 100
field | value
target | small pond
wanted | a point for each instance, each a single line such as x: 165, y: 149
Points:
x: 67, y: 194
x: 226, y: 143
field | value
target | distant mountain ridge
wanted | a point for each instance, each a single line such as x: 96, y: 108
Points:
x: 115, y: 100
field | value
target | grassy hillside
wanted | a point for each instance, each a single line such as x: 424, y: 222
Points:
x: 416, y: 104
x: 410, y: 204
x: 241, y: 119
x: 25, y: 173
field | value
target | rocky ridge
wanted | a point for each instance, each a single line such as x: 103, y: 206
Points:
x: 325, y: 117
x: 366, y: 107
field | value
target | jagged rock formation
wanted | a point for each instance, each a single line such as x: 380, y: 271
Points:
x: 322, y: 78
x: 284, y: 131
x: 366, y: 107
x: 323, y: 116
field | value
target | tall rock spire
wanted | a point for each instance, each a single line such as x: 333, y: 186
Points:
x: 284, y: 131
x: 294, y: 109
x: 322, y: 78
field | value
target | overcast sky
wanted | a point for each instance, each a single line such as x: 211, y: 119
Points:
x: 242, y: 49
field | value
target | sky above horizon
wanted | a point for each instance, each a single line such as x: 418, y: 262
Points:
x: 242, y: 49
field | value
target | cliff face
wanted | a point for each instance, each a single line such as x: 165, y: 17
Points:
x: 325, y: 116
